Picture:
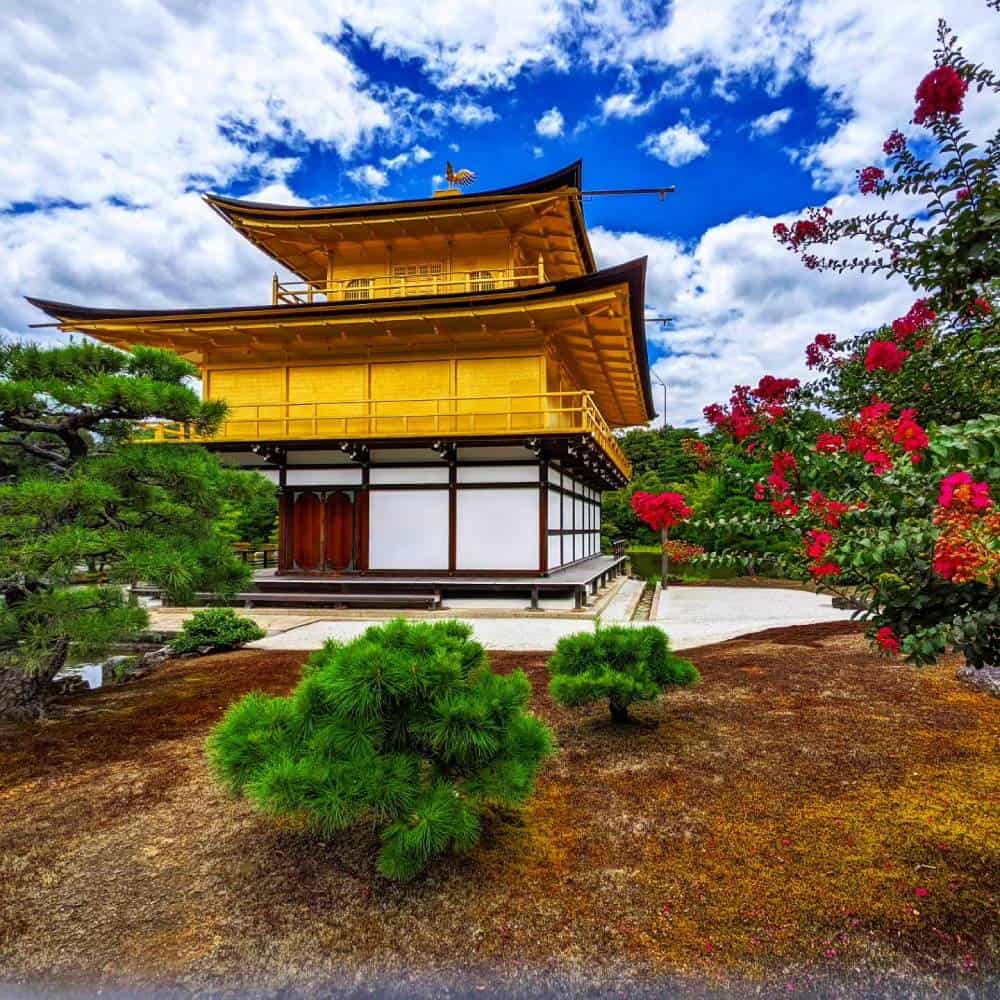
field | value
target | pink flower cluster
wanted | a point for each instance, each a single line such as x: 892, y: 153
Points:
x: 874, y: 433
x: 812, y: 229
x: 823, y: 345
x: 750, y: 409
x: 885, y: 355
x: 895, y: 144
x: 917, y: 320
x: 869, y: 178
x: 960, y: 489
x: 940, y: 94
x: 968, y: 547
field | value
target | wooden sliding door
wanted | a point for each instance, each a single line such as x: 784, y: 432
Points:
x: 325, y: 531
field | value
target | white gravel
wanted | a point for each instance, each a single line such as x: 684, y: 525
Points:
x: 691, y: 616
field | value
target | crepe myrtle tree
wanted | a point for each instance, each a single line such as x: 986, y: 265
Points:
x: 894, y: 503
x: 84, y: 511
x: 661, y: 512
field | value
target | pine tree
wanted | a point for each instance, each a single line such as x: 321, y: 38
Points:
x: 620, y: 663
x: 405, y: 727
x: 77, y: 496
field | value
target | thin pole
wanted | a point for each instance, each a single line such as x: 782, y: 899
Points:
x: 664, y: 384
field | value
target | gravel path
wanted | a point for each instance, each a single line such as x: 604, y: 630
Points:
x: 692, y: 616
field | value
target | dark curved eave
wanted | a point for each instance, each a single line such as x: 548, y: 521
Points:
x: 568, y: 177
x: 632, y: 273
x: 571, y: 176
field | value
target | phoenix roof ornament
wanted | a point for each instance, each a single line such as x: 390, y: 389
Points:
x: 461, y: 178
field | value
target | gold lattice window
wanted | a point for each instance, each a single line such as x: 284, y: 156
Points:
x: 416, y: 270
x: 359, y: 289
x: 482, y: 281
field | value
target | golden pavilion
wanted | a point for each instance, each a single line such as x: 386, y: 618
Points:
x: 436, y: 392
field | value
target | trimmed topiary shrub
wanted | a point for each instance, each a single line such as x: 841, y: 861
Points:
x: 620, y: 663
x: 405, y: 728
x: 215, y: 630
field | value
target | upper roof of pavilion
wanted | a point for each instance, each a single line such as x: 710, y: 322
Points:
x: 545, y: 214
x: 597, y: 321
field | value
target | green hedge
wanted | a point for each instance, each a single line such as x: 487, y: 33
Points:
x: 646, y: 564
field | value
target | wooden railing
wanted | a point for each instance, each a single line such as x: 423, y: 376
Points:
x: 538, y: 413
x: 400, y: 286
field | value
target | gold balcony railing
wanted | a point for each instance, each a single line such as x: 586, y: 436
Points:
x: 403, y: 285
x: 449, y: 416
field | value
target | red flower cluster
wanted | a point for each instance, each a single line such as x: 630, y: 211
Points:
x: 682, y: 552
x: 918, y: 319
x: 813, y: 229
x: 749, y: 409
x: 829, y: 511
x: 775, y: 390
x: 820, y: 349
x: 785, y: 507
x: 781, y: 462
x: 962, y: 194
x: 887, y: 639
x: 661, y: 510
x: 817, y: 542
x: 868, y: 179
x: 968, y: 547
x: 885, y: 355
x: 939, y: 94
x: 896, y: 143
x: 699, y: 451
x: 961, y: 491
x: 874, y: 433
x: 821, y: 569
x: 829, y: 444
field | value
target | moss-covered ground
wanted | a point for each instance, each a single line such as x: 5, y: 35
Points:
x: 809, y: 819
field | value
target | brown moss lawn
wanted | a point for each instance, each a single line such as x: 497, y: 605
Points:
x: 808, y: 819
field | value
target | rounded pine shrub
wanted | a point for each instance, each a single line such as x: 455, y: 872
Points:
x: 405, y: 728
x: 619, y: 663
x: 215, y: 630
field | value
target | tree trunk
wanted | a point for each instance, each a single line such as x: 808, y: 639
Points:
x: 619, y: 712
x: 665, y: 559
x: 22, y: 694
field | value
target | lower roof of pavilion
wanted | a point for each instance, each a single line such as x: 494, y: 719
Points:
x: 595, y: 322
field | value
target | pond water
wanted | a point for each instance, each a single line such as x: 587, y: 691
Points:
x: 92, y: 673
x: 107, y: 671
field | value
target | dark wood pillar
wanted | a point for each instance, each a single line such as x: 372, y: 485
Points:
x: 452, y: 514
x: 284, y: 531
x: 543, y: 517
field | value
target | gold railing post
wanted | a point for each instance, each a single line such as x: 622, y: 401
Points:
x: 541, y: 270
x: 274, y: 289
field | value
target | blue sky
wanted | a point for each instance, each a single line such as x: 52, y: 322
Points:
x: 754, y: 109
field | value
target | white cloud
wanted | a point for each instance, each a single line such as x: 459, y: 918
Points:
x: 866, y: 59
x: 742, y: 306
x: 167, y: 98
x: 627, y: 105
x: 176, y: 254
x: 416, y: 155
x: 770, y: 123
x: 537, y: 152
x: 477, y: 43
x: 369, y: 176
x: 679, y: 144
x: 396, y: 162
x: 550, y: 125
x: 471, y: 114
